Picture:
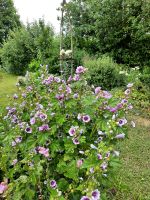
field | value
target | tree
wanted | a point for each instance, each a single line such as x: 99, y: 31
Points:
x: 27, y: 44
x: 9, y: 19
x: 116, y: 27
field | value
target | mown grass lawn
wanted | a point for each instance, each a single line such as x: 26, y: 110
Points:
x: 7, y: 87
x: 133, y: 178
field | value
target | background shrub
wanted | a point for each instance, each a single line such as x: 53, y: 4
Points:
x: 145, y: 76
x: 104, y: 72
x: 36, y: 41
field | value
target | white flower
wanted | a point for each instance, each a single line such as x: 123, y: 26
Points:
x: 122, y: 72
x: 68, y: 52
x: 62, y: 52
x: 93, y: 146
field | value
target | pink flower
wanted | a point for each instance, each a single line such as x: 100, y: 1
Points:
x: 120, y: 136
x: 76, y: 77
x: 75, y: 141
x: 122, y: 122
x: 43, y: 116
x: 28, y: 130
x: 85, y: 198
x: 32, y: 121
x: 72, y: 131
x: 44, y: 127
x: 127, y: 92
x: 106, y: 95
x: 97, y: 90
x: 95, y: 195
x: 60, y: 97
x: 3, y: 187
x: 79, y: 163
x: 43, y: 151
x: 99, y: 156
x: 68, y: 90
x: 15, y: 96
x: 53, y: 184
x: 80, y: 70
x: 14, y: 162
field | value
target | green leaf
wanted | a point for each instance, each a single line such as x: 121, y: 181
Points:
x: 72, y: 170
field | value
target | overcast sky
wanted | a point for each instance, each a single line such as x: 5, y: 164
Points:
x: 29, y: 10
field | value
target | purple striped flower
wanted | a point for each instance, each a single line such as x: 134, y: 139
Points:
x: 53, y: 184
x: 86, y: 118
x: 97, y: 90
x: 28, y: 130
x: 13, y: 144
x: 15, y: 96
x: 79, y: 163
x: 43, y: 116
x: 122, y: 122
x: 80, y: 70
x: 44, y: 127
x: 3, y: 187
x: 72, y: 131
x: 85, y: 198
x: 104, y: 166
x: 99, y: 156
x: 120, y: 136
x: 57, y: 79
x: 29, y: 88
x: 18, y: 139
x: 106, y: 94
x: 24, y: 95
x: 127, y: 92
x: 60, y: 97
x: 68, y: 90
x: 96, y: 195
x: 43, y: 151
x: 75, y: 96
x: 75, y: 141
x: 14, y: 162
x: 76, y: 77
x: 32, y: 121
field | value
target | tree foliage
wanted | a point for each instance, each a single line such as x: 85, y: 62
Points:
x: 36, y: 41
x: 118, y: 27
x: 9, y: 19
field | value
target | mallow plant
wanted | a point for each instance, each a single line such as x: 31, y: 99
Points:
x: 58, y: 138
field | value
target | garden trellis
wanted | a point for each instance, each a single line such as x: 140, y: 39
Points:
x: 66, y: 57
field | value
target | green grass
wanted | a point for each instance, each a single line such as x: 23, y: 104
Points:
x: 7, y: 87
x: 133, y: 178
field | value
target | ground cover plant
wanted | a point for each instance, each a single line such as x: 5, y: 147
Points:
x: 57, y: 139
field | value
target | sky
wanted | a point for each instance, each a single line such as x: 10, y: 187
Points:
x: 30, y: 10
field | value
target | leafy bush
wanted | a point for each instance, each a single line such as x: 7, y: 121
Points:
x: 104, y: 72
x: 118, y: 27
x: 57, y: 139
x: 141, y: 94
x: 36, y: 41
x: 145, y: 76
